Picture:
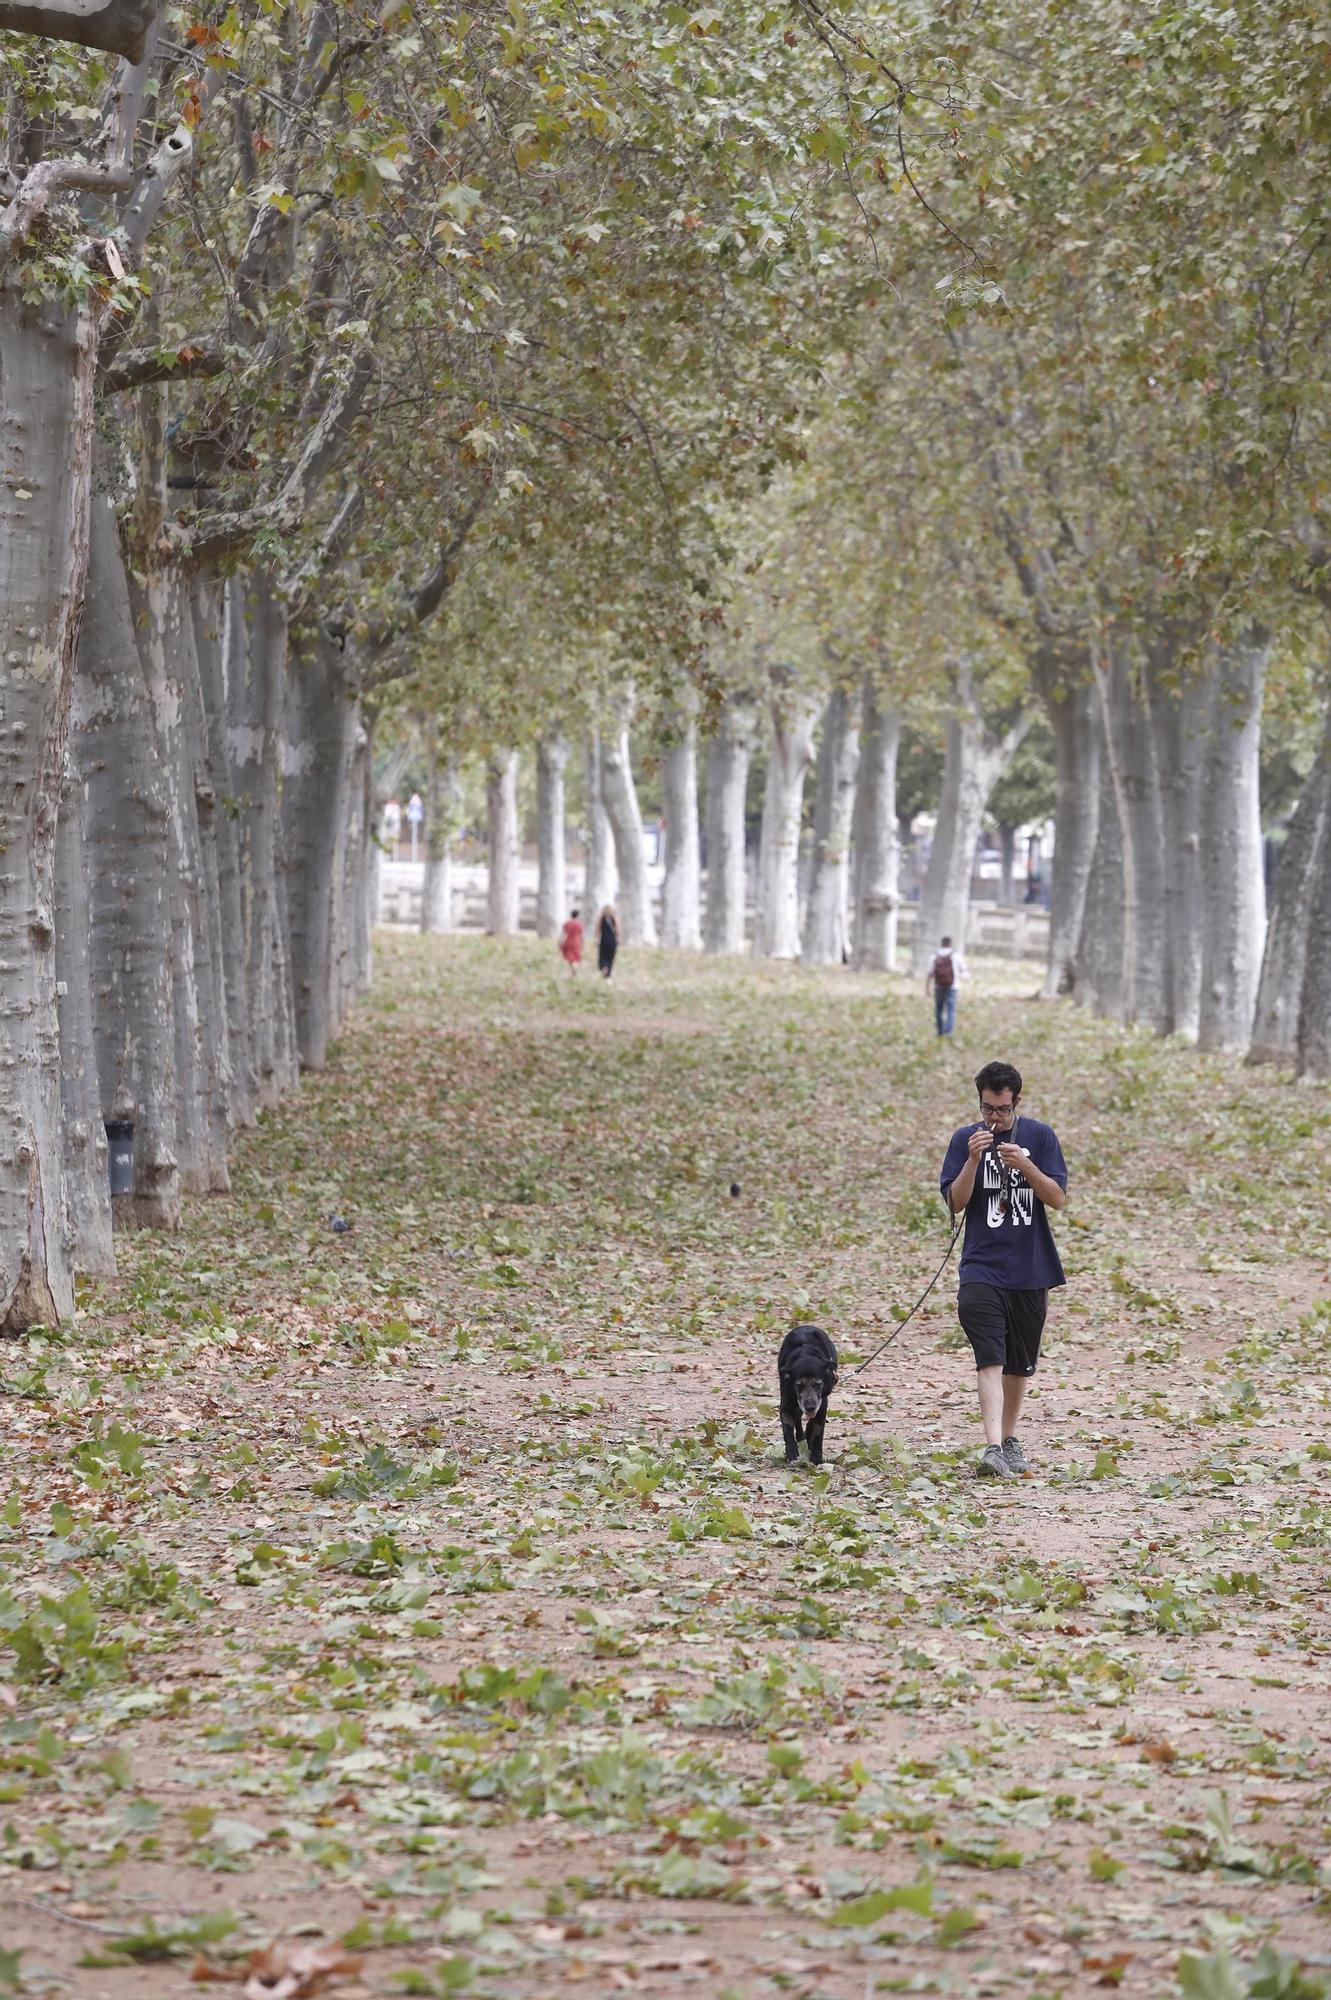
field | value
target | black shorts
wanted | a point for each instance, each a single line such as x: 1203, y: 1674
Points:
x: 1003, y: 1327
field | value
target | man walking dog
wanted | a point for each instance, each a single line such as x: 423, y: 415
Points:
x: 1005, y: 1172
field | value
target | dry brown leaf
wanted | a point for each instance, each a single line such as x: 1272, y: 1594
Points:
x: 204, y: 1973
x: 293, y: 1972
x: 1109, y: 1971
x: 1159, y: 1752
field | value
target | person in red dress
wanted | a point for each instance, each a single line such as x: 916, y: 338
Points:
x: 570, y: 942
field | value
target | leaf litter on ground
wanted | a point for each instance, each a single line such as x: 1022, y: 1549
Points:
x: 433, y: 1591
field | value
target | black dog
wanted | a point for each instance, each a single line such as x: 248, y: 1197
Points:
x: 806, y: 1370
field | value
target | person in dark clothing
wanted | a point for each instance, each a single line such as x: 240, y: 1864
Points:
x: 1005, y: 1173
x: 607, y: 941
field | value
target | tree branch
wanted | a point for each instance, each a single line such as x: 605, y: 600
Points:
x: 212, y: 536
x: 42, y: 183
x: 138, y: 366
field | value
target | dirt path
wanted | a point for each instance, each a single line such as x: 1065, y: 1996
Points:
x: 437, y: 1586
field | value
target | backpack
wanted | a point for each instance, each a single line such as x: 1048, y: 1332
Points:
x: 943, y: 974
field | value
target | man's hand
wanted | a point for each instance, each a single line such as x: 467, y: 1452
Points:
x: 1046, y: 1187
x: 979, y: 1142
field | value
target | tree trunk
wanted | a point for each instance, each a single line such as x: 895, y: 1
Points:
x: 319, y: 728
x: 1178, y: 719
x: 1078, y: 728
x: 973, y: 764
x: 599, y: 881
x: 443, y: 797
x: 221, y: 609
x: 637, y: 918
x: 1134, y: 772
x: 501, y: 804
x: 206, y: 682
x: 87, y: 1188
x: 1304, y: 860
x: 877, y: 845
x: 681, y: 894
x: 128, y: 859
x: 257, y: 666
x: 1096, y: 973
x: 363, y: 883
x: 47, y: 354
x: 1234, y: 917
x: 776, y: 931
x: 164, y: 627
x: 1007, y: 850
x: 827, y: 922
x: 1314, y: 1039
x: 728, y: 758
x: 552, y: 865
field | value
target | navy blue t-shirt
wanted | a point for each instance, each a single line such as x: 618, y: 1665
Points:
x: 1014, y: 1246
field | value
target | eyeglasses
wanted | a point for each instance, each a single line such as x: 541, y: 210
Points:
x: 997, y: 1114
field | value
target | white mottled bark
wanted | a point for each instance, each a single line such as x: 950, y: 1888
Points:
x: 1303, y: 863
x: 728, y: 758
x: 257, y: 669
x: 600, y: 881
x: 637, y: 918
x: 552, y: 865
x: 877, y: 892
x: 973, y: 763
x: 363, y: 864
x: 165, y: 631
x: 223, y: 613
x: 501, y: 803
x: 443, y: 797
x: 46, y: 416
x: 1134, y: 772
x: 319, y: 728
x: 87, y: 1188
x: 128, y: 854
x: 681, y: 892
x: 776, y: 931
x: 827, y: 921
x: 1097, y: 970
x: 1078, y: 728
x: 1234, y: 917
x: 1179, y: 715
x: 206, y: 622
x: 119, y: 26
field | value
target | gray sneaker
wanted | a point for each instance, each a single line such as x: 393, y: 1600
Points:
x: 993, y: 1465
x: 1015, y: 1456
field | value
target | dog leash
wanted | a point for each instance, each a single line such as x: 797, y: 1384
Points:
x: 957, y: 1228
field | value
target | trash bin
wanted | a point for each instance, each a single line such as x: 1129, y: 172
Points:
x: 120, y: 1154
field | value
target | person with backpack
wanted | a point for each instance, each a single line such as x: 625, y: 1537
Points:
x: 947, y: 968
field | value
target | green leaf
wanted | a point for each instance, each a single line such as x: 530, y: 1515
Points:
x: 1211, y: 1978
x: 877, y: 1903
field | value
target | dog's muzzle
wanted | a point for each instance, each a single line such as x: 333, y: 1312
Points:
x: 810, y: 1397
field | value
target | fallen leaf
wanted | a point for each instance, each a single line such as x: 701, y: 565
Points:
x: 292, y: 1972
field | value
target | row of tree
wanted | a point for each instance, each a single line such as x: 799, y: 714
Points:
x: 513, y: 369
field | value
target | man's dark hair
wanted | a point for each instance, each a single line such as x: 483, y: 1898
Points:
x: 573, y: 913
x: 947, y: 941
x: 998, y: 1077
